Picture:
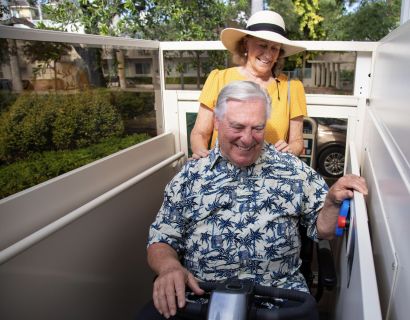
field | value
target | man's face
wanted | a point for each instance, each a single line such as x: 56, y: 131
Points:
x: 241, y: 131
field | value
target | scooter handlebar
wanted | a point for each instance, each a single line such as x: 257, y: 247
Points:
x: 305, y: 308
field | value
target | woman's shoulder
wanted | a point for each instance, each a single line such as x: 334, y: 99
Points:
x: 223, y: 73
x: 283, y: 77
x: 295, y: 84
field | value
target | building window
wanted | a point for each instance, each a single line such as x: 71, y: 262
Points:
x: 143, y: 68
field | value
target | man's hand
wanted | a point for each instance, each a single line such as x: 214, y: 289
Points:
x: 169, y: 290
x: 342, y: 189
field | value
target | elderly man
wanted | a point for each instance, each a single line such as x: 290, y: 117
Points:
x: 236, y: 212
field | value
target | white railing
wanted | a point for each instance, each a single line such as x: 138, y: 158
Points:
x: 57, y: 225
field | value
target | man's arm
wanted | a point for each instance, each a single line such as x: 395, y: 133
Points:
x: 171, y: 280
x: 342, y: 189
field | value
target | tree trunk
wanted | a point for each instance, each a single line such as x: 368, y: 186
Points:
x: 55, y: 75
x: 121, y: 68
x: 92, y: 59
x: 15, y: 67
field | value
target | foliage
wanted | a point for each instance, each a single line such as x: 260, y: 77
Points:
x: 302, y: 18
x: 47, y: 52
x: 7, y: 98
x: 40, y: 167
x: 4, y: 51
x: 132, y: 104
x: 150, y: 19
x: 309, y: 18
x: 4, y: 10
x: 330, y: 19
x: 96, y: 16
x: 370, y: 22
x: 52, y: 121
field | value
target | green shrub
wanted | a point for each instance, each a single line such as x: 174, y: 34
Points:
x: 132, y: 104
x: 26, y: 127
x: 85, y: 119
x: 56, y: 121
x: 43, y: 166
x: 7, y: 98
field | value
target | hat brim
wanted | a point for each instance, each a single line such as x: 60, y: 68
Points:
x: 231, y: 36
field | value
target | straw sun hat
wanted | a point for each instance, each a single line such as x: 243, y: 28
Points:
x: 267, y: 25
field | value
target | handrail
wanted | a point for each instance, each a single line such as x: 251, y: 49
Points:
x: 8, y: 32
x: 348, y: 46
x: 51, y: 228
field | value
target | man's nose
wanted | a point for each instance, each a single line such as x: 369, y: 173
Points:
x: 247, y: 137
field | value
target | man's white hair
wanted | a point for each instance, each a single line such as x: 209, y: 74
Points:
x: 242, y: 91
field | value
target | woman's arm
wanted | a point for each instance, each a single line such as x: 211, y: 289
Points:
x: 202, y: 132
x: 295, y: 139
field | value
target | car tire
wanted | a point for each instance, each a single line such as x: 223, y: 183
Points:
x: 331, y: 161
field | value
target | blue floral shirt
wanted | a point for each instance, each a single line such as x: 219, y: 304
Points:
x: 229, y: 222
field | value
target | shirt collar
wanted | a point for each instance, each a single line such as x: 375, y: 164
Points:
x: 215, y: 155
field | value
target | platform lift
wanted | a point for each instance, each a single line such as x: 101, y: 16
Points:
x: 74, y: 247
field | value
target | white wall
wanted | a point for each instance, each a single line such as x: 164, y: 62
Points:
x: 386, y: 156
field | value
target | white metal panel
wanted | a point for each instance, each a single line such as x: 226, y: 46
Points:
x: 358, y: 296
x: 330, y: 111
x: 390, y: 91
x: 171, y: 117
x: 384, y: 251
x: 388, y: 167
x: 29, y: 210
x: 95, y: 266
x: 313, y: 99
x: 389, y: 204
x: 55, y: 226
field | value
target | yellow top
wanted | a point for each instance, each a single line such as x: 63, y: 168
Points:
x: 277, y: 126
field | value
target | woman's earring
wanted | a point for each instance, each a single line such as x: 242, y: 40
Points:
x: 246, y: 53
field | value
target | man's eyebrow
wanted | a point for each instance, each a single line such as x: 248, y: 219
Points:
x: 235, y: 123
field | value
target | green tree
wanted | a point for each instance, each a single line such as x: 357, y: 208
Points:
x: 49, y: 53
x: 302, y: 17
x: 371, y: 21
x: 172, y: 20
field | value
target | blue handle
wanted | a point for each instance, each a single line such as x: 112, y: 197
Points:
x: 343, y: 212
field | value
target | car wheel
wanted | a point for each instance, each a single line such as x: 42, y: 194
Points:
x: 331, y: 161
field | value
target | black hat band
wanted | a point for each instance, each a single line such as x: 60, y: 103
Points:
x: 267, y: 27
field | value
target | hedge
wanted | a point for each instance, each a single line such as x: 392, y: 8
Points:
x: 7, y: 98
x: 43, y: 166
x: 43, y: 122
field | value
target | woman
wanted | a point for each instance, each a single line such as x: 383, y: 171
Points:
x: 259, y: 50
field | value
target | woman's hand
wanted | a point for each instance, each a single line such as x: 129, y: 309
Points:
x: 200, y: 153
x: 283, y: 146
